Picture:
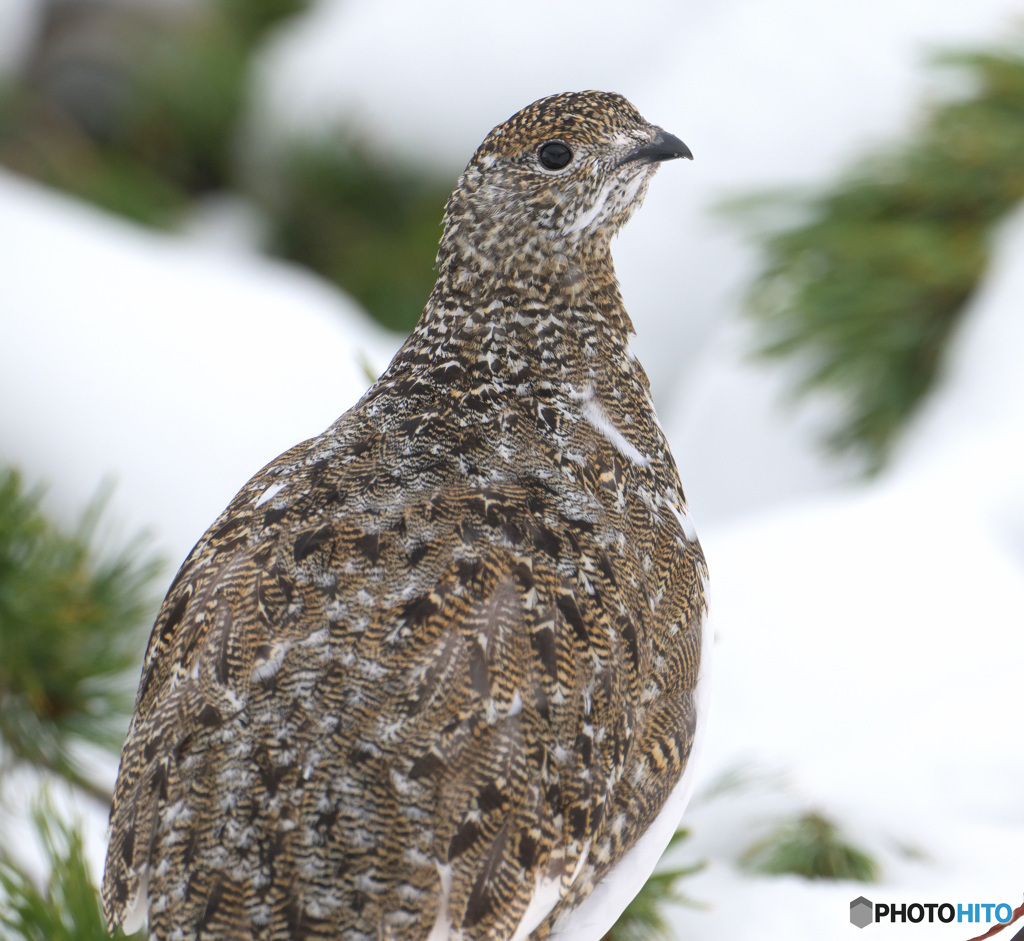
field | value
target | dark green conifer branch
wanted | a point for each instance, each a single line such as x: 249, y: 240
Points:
x: 864, y: 289
x: 66, y: 907
x: 70, y: 642
x: 812, y: 846
x: 644, y: 918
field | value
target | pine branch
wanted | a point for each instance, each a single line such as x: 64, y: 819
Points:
x: 644, y: 917
x: 811, y: 846
x: 67, y: 907
x: 70, y: 622
x: 862, y: 285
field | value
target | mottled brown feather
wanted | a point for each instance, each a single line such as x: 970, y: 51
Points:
x: 449, y: 647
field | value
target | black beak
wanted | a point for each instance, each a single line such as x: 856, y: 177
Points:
x: 665, y: 146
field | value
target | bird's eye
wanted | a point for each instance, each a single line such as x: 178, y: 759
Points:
x: 554, y: 155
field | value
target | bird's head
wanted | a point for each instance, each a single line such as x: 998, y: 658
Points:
x: 565, y: 172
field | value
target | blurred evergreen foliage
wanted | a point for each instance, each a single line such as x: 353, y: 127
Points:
x: 139, y: 108
x: 70, y: 620
x: 811, y: 846
x: 864, y: 290
x: 132, y: 107
x: 251, y: 21
x: 369, y: 227
x: 72, y: 616
x: 67, y: 908
x: 644, y: 917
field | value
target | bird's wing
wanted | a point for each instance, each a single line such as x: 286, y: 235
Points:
x: 406, y: 708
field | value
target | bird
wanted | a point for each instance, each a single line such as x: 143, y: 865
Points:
x: 440, y: 672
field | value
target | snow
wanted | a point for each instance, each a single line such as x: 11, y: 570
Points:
x: 868, y: 635
x: 767, y: 94
x: 869, y: 645
x: 172, y: 369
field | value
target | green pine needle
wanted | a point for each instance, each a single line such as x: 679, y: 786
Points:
x: 368, y: 224
x: 644, y: 917
x: 862, y: 285
x: 166, y: 134
x: 70, y: 621
x: 67, y: 907
x: 813, y: 847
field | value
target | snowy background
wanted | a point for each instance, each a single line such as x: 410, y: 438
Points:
x: 870, y: 638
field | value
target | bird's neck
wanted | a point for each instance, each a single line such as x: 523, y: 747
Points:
x: 570, y: 295
x: 552, y: 331
x: 523, y: 325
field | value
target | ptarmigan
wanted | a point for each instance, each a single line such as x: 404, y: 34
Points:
x: 434, y: 673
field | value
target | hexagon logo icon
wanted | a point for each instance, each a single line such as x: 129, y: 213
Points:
x: 861, y: 912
